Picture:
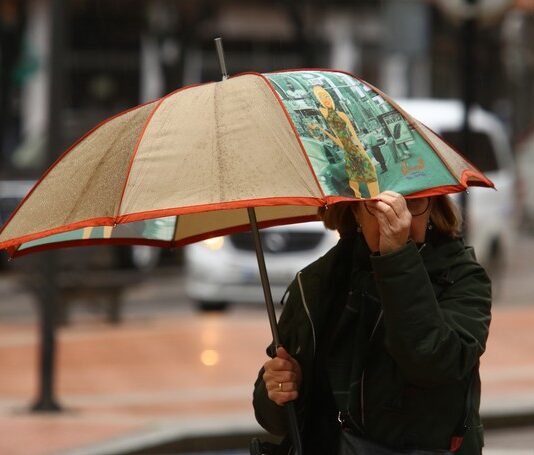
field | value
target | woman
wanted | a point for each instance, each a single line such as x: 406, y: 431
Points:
x: 358, y: 166
x: 382, y: 335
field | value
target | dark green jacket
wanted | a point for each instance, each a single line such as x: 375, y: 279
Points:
x: 409, y: 375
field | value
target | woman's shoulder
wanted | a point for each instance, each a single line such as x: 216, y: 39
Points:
x: 452, y: 250
x: 453, y: 257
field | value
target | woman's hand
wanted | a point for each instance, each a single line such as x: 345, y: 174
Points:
x: 282, y: 377
x: 394, y: 220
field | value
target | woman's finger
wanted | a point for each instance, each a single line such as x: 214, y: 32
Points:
x: 281, y: 398
x: 395, y: 201
x: 282, y: 377
x: 386, y: 214
x: 281, y: 391
x: 281, y: 386
x: 278, y: 364
x: 392, y: 226
x: 278, y: 377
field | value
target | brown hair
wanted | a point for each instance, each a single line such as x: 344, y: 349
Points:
x: 444, y: 216
x: 339, y: 217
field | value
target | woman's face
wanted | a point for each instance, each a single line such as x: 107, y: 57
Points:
x: 370, y: 228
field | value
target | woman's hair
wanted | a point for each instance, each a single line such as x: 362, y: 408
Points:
x: 444, y: 216
x: 339, y: 217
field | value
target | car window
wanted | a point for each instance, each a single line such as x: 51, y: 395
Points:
x: 482, y: 153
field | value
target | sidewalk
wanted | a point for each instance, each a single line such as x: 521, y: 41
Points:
x: 186, y: 374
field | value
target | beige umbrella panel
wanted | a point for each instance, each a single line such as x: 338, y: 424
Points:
x: 201, y: 153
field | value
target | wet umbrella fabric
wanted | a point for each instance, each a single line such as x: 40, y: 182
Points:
x: 187, y: 166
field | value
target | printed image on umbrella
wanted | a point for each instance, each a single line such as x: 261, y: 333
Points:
x: 187, y: 166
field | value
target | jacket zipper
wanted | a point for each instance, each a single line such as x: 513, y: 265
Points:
x: 362, y: 405
x: 307, y: 311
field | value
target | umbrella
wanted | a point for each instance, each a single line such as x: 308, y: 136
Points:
x: 254, y: 150
x: 187, y: 166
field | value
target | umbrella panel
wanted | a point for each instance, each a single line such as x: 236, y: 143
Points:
x: 359, y: 142
x: 172, y: 231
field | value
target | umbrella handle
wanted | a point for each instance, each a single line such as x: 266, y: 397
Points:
x: 290, y: 407
x: 294, y: 427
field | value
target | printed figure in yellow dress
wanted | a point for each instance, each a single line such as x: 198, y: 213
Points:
x: 359, y: 167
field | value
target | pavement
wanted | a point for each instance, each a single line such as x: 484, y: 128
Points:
x: 168, y: 373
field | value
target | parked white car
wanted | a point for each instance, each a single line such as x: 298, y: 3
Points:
x: 224, y: 270
x: 491, y: 215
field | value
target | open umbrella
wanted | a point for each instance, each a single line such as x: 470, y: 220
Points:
x: 187, y: 166
x: 254, y: 150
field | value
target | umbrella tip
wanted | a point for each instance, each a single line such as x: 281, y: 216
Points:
x: 220, y: 54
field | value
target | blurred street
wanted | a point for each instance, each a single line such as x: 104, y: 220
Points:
x: 168, y: 372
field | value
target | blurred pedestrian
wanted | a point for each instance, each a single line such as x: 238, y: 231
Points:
x: 382, y: 336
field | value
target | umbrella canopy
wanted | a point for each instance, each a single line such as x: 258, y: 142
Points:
x: 187, y: 166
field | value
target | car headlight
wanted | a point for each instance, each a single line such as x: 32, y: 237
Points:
x: 214, y: 244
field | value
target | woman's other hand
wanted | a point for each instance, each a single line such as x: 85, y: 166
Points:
x: 393, y: 218
x: 282, y: 377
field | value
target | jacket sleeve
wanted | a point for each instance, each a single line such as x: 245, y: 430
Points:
x: 268, y: 414
x: 433, y: 342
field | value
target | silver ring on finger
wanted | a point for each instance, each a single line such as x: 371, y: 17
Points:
x: 280, y: 384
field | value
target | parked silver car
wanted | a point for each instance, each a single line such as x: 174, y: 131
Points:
x: 224, y: 270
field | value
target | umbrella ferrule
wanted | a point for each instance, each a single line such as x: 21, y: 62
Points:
x: 222, y: 61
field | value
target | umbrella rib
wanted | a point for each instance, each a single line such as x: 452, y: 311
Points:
x: 89, y: 179
x: 60, y: 159
x: 138, y: 143
x: 410, y: 122
x: 295, y: 133
x: 415, y: 124
x: 175, y: 230
x: 134, y: 154
x: 218, y: 158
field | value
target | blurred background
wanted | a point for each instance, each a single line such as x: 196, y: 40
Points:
x: 123, y: 350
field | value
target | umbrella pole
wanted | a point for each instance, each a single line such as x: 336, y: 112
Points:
x: 291, y: 411
x: 290, y: 407
x: 264, y: 277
